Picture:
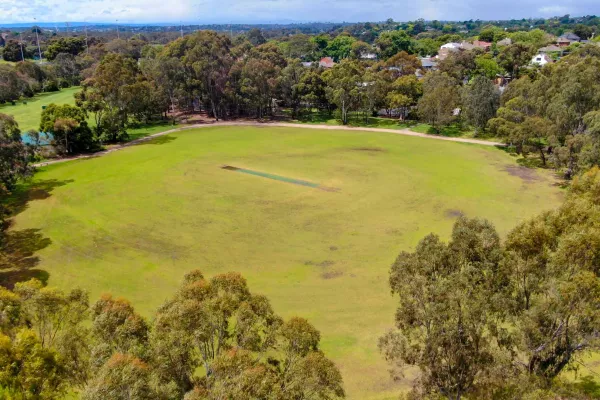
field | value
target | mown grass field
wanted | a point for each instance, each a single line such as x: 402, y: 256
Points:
x: 28, y: 115
x: 134, y: 221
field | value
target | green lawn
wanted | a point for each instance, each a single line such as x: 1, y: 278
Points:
x: 134, y: 221
x: 28, y: 115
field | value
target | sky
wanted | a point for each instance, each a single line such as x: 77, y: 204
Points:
x: 284, y: 11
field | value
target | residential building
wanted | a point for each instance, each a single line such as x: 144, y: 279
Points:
x: 326, y: 62
x: 482, y: 45
x: 428, y: 64
x: 368, y: 56
x: 571, y: 36
x: 504, y: 42
x: 541, y: 59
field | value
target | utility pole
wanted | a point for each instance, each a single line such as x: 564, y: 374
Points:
x: 37, y: 39
x: 87, y: 48
x: 21, y: 43
x: 118, y: 34
x: 67, y: 24
x: 181, y: 28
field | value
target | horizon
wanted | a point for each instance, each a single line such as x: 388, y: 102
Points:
x: 207, y: 12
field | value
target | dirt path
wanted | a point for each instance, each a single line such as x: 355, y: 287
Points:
x: 405, y: 132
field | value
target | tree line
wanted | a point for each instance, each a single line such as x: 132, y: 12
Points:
x: 213, y: 339
x: 487, y: 319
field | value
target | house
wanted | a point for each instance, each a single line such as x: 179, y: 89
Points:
x: 467, y: 46
x: 482, y: 45
x: 446, y: 49
x: 451, y: 46
x: 567, y: 38
x: 307, y: 64
x: 326, y: 62
x: 428, y: 64
x: 563, y: 42
x: 502, y: 80
x: 504, y: 42
x: 570, y: 36
x: 551, y: 49
x: 541, y: 59
x: 368, y: 56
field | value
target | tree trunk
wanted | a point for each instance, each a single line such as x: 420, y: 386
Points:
x: 543, y: 156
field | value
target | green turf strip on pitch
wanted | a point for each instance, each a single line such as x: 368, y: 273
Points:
x: 273, y: 176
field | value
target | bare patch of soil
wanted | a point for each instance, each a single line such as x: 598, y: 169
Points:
x: 528, y: 175
x: 331, y: 274
x: 453, y: 213
x: 323, y: 264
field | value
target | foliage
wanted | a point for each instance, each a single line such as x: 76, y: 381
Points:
x: 343, y: 82
x: 480, y: 319
x: 15, y: 158
x: 556, y: 284
x: 65, y: 45
x: 12, y: 51
x: 480, y: 100
x: 444, y: 318
x: 393, y: 42
x: 14, y: 155
x: 68, y: 126
x: 440, y: 98
x: 514, y: 56
x: 555, y: 114
x: 340, y: 47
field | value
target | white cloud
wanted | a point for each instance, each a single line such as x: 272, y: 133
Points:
x: 553, y: 10
x: 232, y: 11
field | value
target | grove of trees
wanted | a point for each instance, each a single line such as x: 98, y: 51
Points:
x: 482, y: 318
x: 213, y: 339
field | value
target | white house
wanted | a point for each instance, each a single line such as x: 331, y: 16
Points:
x: 541, y: 59
x: 451, y: 45
x: 368, y: 56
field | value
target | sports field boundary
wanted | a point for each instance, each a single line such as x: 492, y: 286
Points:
x: 404, y: 132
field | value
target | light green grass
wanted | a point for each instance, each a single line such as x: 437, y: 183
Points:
x: 134, y: 221
x: 29, y: 115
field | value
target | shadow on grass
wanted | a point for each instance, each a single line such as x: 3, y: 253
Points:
x: 531, y: 162
x: 18, y: 248
x: 589, y: 386
x: 30, y: 191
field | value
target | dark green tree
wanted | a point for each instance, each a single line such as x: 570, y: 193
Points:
x: 480, y: 100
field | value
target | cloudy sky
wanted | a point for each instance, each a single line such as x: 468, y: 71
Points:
x: 232, y: 11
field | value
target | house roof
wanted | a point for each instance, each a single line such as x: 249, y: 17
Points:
x: 326, y: 62
x: 467, y: 46
x: 570, y: 36
x: 428, y: 63
x: 481, y: 43
x: 550, y: 49
x: 369, y: 56
x: 541, y: 58
x: 563, y: 40
x: 450, y: 45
